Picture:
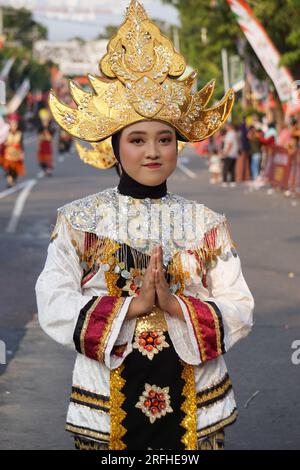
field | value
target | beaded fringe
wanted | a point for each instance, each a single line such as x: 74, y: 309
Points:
x: 101, y: 250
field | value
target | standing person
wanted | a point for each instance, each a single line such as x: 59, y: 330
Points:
x: 284, y: 135
x: 255, y: 138
x: 4, y: 130
x: 230, y: 152
x: 269, y: 140
x: 215, y: 166
x: 150, y: 309
x: 45, y: 138
x: 13, y: 154
x: 242, y: 169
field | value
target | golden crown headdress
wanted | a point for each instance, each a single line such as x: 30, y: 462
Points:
x: 140, y: 80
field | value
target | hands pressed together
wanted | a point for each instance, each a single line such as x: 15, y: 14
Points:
x: 155, y: 290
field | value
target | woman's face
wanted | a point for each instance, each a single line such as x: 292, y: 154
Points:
x: 148, y: 152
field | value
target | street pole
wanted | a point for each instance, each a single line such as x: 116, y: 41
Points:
x: 176, y: 38
x: 225, y: 69
x: 226, y: 79
x: 1, y: 21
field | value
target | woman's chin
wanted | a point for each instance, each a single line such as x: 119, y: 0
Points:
x: 152, y: 181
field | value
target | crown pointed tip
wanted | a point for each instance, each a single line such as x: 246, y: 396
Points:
x: 72, y: 84
x: 52, y: 96
x: 135, y: 3
x: 231, y: 93
x: 134, y: 7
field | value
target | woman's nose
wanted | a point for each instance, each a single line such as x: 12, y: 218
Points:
x: 152, y: 151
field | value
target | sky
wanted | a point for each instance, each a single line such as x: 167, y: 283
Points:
x: 89, y: 17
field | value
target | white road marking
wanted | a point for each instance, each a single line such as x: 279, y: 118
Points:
x: 10, y: 191
x: 19, y: 205
x: 187, y: 171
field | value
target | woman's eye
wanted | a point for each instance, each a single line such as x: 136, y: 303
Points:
x: 165, y: 140
x: 137, y: 141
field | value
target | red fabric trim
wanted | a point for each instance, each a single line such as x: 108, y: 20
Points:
x: 204, y: 324
x: 100, y: 320
x: 87, y: 279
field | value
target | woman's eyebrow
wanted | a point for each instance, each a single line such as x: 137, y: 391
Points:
x: 137, y: 133
x: 166, y: 131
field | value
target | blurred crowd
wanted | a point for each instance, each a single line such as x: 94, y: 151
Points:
x: 236, y: 154
x: 239, y: 153
x: 12, y: 153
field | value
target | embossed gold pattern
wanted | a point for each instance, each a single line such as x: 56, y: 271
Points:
x: 140, y: 80
x: 86, y: 432
x: 88, y: 400
x: 154, y: 321
x: 219, y: 425
x: 214, y: 393
x: 117, y: 414
x: 189, y: 407
x: 99, y: 156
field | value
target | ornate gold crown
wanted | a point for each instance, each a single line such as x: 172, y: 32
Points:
x: 140, y: 81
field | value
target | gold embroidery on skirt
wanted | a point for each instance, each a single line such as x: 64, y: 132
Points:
x: 189, y: 407
x: 117, y: 414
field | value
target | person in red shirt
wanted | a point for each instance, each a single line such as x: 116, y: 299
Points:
x: 13, y: 154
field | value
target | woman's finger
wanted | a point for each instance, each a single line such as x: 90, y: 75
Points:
x: 152, y: 261
x: 160, y: 253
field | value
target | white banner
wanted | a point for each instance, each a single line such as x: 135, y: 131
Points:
x: 264, y: 48
x: 72, y: 57
x: 7, y: 68
x: 19, y: 96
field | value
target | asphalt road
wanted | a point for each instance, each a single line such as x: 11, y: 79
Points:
x: 36, y: 381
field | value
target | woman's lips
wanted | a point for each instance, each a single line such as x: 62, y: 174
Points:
x: 153, y: 165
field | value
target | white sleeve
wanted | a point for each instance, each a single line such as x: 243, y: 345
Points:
x: 233, y: 298
x: 215, y: 322
x: 63, y: 309
x: 122, y: 334
x: 182, y: 336
x: 58, y: 287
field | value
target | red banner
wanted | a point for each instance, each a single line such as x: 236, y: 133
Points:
x: 280, y: 169
x: 294, y: 180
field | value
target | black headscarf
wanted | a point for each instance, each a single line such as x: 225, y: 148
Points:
x: 129, y: 186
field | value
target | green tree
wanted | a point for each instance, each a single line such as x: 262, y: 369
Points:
x: 209, y: 25
x: 205, y: 30
x: 281, y: 19
x: 19, y: 26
